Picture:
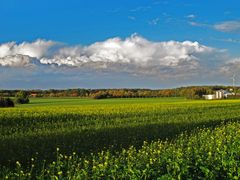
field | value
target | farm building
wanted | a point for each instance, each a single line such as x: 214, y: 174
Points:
x: 210, y: 96
x: 220, y: 94
x: 33, y: 95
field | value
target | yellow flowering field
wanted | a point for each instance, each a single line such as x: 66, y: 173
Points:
x: 121, y: 139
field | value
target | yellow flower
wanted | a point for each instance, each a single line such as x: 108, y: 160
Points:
x: 18, y: 163
x: 86, y: 161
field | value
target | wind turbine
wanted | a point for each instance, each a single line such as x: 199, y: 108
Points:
x: 233, y: 81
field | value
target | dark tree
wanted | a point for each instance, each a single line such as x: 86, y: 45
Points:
x: 6, y: 102
x: 22, y: 97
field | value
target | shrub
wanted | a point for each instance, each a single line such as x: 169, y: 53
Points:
x: 22, y: 97
x: 6, y: 102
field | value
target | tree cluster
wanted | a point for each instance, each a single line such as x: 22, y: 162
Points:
x: 6, y: 102
x: 21, y: 97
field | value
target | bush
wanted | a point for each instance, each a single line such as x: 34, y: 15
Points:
x: 22, y: 97
x: 22, y: 100
x: 6, y: 102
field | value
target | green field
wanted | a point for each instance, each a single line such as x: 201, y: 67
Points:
x: 121, y: 138
x: 81, y: 101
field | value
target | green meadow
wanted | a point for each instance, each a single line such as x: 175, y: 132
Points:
x: 37, y: 102
x: 138, y: 138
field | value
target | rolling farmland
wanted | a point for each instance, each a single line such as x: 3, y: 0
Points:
x: 121, y: 138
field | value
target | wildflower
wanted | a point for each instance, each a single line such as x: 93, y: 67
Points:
x: 86, y: 161
x: 18, y: 163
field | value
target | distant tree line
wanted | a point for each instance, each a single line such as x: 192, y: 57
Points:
x: 191, y: 92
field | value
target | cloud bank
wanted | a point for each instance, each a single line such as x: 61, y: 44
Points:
x: 134, y: 55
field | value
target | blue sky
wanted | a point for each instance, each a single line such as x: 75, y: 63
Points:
x: 91, y: 44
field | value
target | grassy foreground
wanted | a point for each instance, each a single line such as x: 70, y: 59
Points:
x: 87, y: 127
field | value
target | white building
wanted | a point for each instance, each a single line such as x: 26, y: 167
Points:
x: 220, y: 94
x: 210, y: 96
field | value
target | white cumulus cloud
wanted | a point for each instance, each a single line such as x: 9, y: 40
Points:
x: 16, y: 60
x: 135, y: 55
x: 13, y: 54
x: 133, y: 50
